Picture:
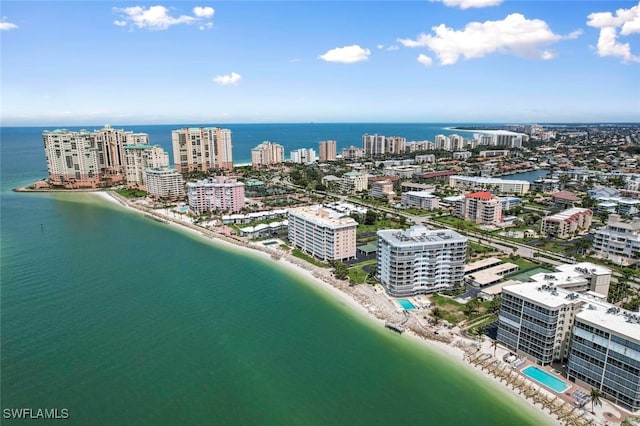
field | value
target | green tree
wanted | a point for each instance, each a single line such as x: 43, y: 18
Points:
x: 371, y: 217
x: 341, y: 271
x: 494, y: 345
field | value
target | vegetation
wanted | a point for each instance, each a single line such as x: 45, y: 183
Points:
x: 300, y: 255
x: 595, y: 396
x: 131, y: 193
x: 341, y: 270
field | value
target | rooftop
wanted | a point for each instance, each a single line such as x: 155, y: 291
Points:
x: 419, y: 234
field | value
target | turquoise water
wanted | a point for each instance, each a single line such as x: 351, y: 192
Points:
x: 546, y: 379
x: 406, y: 304
x: 124, y: 320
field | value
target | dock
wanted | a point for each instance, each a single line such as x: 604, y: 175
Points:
x: 398, y: 328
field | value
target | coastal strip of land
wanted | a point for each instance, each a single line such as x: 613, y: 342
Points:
x: 365, y: 300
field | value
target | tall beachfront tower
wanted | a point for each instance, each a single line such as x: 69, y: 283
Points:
x: 141, y: 157
x: 322, y: 232
x: 267, y: 154
x: 327, y: 151
x: 420, y: 261
x: 72, y: 158
x: 111, y: 143
x: 202, y: 149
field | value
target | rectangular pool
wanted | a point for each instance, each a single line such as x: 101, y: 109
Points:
x: 546, y: 379
x: 406, y: 305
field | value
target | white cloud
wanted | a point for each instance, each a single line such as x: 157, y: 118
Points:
x: 548, y: 54
x: 203, y: 12
x: 425, y: 60
x: 392, y: 48
x: 7, y: 26
x: 206, y: 26
x: 467, y: 4
x: 347, y: 54
x: 159, y: 17
x: 228, y: 80
x: 380, y: 46
x: 628, y: 20
x: 515, y: 35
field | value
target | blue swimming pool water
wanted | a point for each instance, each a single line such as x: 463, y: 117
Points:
x: 546, y: 379
x: 406, y: 305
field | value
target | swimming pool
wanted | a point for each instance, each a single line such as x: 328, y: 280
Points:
x: 406, y: 305
x: 546, y: 379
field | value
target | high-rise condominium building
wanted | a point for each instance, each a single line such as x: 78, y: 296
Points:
x: 303, y: 156
x: 599, y: 341
x: 482, y: 207
x: 327, y: 151
x: 72, y: 158
x: 138, y: 158
x: 202, y: 149
x: 419, y: 261
x: 380, y: 145
x: 164, y: 183
x: 111, y: 143
x: 218, y: 193
x: 267, y: 154
x: 322, y: 232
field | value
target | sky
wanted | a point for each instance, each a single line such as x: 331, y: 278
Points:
x: 135, y: 62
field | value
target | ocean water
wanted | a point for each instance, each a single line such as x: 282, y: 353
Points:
x: 123, y: 320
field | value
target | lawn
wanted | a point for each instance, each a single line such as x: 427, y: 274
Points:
x: 452, y: 311
x: 300, y: 255
x: 457, y: 223
x: 357, y: 273
x: 379, y: 224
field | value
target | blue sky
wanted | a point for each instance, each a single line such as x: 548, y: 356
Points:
x: 134, y: 62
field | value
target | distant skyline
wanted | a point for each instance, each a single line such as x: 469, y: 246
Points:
x: 135, y: 62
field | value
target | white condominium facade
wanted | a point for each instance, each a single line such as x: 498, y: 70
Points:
x: 327, y: 151
x: 420, y: 261
x: 139, y: 158
x: 202, y: 149
x: 164, y: 183
x: 322, y: 232
x: 216, y: 194
x: 599, y: 342
x: 566, y: 224
x: 420, y: 200
x: 72, y: 158
x: 477, y: 183
x: 303, y: 156
x: 267, y: 154
x: 618, y: 241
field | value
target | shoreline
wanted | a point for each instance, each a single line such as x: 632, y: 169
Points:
x: 365, y: 302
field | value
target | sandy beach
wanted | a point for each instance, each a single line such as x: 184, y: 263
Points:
x: 367, y: 301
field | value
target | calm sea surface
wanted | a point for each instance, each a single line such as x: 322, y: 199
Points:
x: 123, y: 320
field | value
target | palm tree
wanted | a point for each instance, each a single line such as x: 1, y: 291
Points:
x: 595, y: 398
x: 494, y: 345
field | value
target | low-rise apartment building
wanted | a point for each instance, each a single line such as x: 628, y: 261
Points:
x: 566, y: 224
x: 420, y: 200
x: 420, y: 261
x: 478, y: 183
x: 618, y: 241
